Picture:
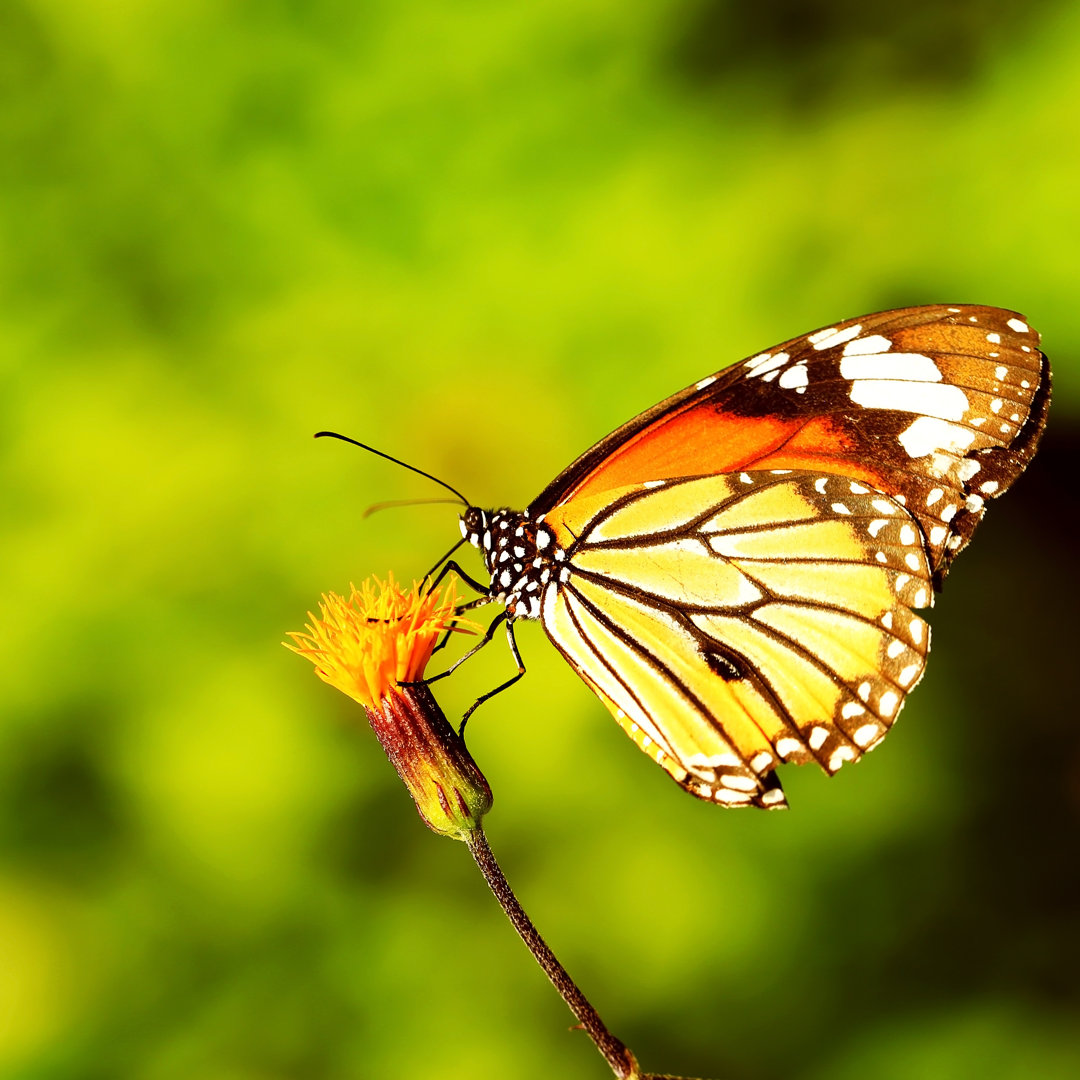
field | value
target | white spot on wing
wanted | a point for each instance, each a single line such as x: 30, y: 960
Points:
x: 926, y: 398
x: 708, y: 381
x: 767, y: 363
x: 866, y: 346
x: 831, y: 338
x: 904, y: 367
x: 722, y: 795
x: 739, y: 783
x: 793, y: 377
x: 927, y: 435
x: 839, y: 756
x: 1018, y: 325
x: 787, y: 746
x: 906, y: 676
x: 866, y: 734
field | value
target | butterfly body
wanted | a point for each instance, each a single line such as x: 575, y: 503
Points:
x: 736, y: 571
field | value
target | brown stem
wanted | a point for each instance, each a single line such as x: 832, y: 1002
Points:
x: 615, y: 1053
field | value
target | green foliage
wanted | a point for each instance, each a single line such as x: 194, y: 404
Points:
x: 479, y: 236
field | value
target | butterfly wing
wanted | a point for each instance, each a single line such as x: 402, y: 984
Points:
x: 732, y: 623
x: 939, y: 407
x: 744, y: 559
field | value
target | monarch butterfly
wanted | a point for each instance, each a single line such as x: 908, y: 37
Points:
x: 735, y: 572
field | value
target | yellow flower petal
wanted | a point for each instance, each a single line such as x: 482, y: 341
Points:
x: 382, y: 635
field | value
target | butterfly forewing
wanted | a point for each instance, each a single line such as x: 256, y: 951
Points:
x: 940, y: 407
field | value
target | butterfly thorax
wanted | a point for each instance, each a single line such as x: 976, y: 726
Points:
x: 521, y: 555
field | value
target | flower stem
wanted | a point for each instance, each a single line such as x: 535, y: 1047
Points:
x: 615, y: 1052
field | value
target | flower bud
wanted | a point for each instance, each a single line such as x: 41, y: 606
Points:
x: 449, y: 790
x: 375, y: 647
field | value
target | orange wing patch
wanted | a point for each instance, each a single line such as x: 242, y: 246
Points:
x: 704, y: 440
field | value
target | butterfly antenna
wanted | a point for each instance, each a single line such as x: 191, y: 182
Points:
x: 389, y: 504
x: 396, y: 461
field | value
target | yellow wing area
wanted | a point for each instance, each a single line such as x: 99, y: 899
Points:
x: 734, y: 623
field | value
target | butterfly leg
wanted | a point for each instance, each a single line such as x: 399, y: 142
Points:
x: 470, y: 581
x: 459, y: 610
x: 488, y: 635
x: 502, y: 686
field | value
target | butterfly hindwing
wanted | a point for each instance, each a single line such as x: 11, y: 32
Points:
x: 770, y: 620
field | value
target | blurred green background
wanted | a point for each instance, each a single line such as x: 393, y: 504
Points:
x: 480, y: 235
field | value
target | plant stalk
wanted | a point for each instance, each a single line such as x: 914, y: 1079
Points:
x: 617, y: 1055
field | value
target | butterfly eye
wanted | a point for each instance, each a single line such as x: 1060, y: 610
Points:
x: 473, y: 523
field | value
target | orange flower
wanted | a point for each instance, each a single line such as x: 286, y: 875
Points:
x: 371, y: 644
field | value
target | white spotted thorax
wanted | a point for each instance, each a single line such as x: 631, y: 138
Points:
x: 520, y: 554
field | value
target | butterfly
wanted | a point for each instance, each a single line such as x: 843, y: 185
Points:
x: 736, y: 571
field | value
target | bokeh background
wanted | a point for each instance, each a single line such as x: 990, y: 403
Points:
x: 480, y: 235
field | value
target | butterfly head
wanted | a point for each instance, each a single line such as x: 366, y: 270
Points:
x: 521, y: 556
x: 475, y: 525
